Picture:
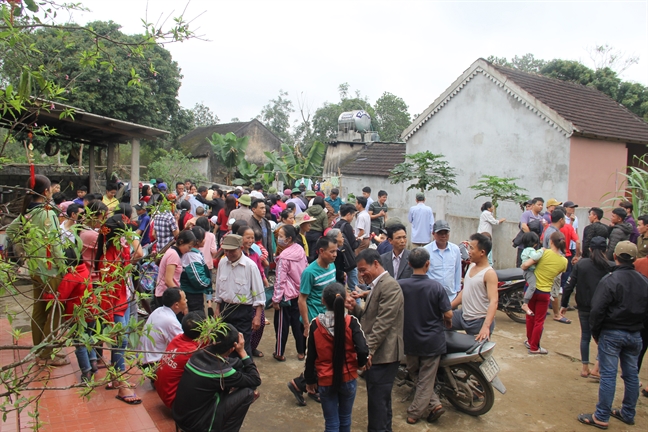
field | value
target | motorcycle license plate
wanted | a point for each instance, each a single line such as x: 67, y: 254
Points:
x: 489, y: 368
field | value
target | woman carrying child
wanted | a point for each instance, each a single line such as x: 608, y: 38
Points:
x: 530, y: 241
x: 337, y: 348
x: 551, y: 264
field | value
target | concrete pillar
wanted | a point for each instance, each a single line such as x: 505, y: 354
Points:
x: 135, y: 166
x: 440, y: 210
x: 110, y: 161
x: 91, y: 170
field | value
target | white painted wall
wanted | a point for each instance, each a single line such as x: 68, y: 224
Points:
x: 483, y: 130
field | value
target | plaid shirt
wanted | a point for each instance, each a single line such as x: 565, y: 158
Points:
x: 164, y: 224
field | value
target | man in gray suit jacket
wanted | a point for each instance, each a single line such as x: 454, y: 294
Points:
x: 398, y: 256
x: 382, y: 322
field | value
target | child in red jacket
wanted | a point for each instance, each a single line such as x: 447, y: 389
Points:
x: 337, y: 348
x: 71, y: 293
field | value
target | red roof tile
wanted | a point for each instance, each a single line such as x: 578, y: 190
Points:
x: 591, y: 112
x: 377, y: 159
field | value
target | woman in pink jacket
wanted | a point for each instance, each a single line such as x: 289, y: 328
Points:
x: 290, y: 265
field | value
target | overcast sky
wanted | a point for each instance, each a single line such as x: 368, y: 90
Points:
x: 413, y: 49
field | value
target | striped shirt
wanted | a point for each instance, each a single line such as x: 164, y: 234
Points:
x: 313, y: 281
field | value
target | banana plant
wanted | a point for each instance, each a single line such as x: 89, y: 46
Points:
x: 230, y: 150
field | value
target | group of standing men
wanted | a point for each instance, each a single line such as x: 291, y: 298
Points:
x: 408, y: 300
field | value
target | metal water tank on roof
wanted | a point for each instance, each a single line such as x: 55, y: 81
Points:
x: 357, y: 120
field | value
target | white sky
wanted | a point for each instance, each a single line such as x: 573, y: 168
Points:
x: 413, y: 49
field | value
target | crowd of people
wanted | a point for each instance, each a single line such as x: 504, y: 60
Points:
x: 339, y: 276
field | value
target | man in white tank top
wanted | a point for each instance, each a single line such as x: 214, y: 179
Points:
x: 479, y: 294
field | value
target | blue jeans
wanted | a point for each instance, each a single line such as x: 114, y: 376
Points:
x: 117, y: 356
x: 84, y: 357
x: 337, y: 406
x: 586, y: 335
x: 352, y: 281
x: 615, y: 346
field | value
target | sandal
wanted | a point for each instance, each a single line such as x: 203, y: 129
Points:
x: 436, y: 412
x: 257, y: 353
x: 540, y: 351
x: 616, y: 413
x: 411, y: 420
x: 301, y: 357
x: 563, y: 320
x: 130, y: 399
x: 588, y: 419
x: 279, y: 358
x: 644, y: 392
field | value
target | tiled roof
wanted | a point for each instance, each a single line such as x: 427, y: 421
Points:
x: 195, y: 143
x: 568, y: 107
x: 591, y: 112
x: 376, y: 159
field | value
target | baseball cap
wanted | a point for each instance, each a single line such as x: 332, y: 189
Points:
x: 140, y: 205
x: 599, y: 243
x: 231, y: 242
x: 441, y: 225
x: 626, y: 248
x: 162, y: 186
x: 420, y: 196
x: 214, y: 220
x: 570, y: 204
x: 553, y: 202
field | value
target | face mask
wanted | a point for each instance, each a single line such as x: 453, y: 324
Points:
x: 282, y: 242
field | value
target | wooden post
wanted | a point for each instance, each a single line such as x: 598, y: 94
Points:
x: 110, y: 161
x: 135, y: 166
x: 91, y: 169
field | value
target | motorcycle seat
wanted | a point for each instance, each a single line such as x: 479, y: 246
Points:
x: 510, y: 274
x: 459, y: 342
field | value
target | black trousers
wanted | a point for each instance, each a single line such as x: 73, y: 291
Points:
x: 233, y: 408
x: 380, y: 381
x: 239, y: 315
x: 285, y: 319
x: 195, y: 302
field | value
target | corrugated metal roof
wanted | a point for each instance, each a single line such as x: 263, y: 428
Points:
x: 84, y: 127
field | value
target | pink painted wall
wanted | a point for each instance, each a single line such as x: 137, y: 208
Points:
x: 593, y: 170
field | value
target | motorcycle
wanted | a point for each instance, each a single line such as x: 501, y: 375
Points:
x: 466, y: 376
x: 510, y: 289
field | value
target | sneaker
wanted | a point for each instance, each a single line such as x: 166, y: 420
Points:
x: 298, y: 395
x: 142, y: 312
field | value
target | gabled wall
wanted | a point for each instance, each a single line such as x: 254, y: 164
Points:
x: 483, y: 130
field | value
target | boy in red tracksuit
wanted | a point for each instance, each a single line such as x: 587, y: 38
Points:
x: 74, y: 286
x: 172, y: 366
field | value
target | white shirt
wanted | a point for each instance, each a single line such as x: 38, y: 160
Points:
x: 257, y: 194
x: 486, y: 222
x: 165, y: 326
x: 374, y: 282
x: 239, y: 283
x: 363, y: 222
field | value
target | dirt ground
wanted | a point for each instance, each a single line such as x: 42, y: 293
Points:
x: 544, y: 393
